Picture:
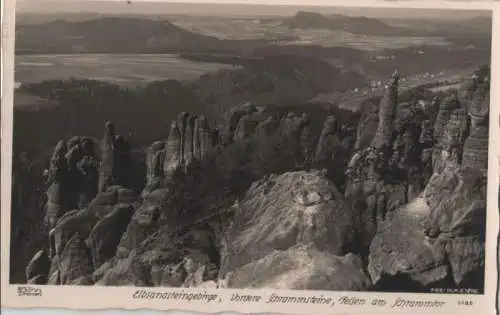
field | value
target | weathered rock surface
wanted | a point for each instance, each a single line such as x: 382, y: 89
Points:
x: 328, y: 143
x: 446, y: 108
x: 283, y: 216
x: 409, y: 212
x: 438, y: 239
x: 440, y: 245
x: 38, y: 268
x: 190, y: 139
x: 387, y: 112
x: 301, y: 267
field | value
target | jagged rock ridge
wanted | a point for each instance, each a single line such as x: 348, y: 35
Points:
x: 419, y: 186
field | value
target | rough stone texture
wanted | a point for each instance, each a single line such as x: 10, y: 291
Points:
x: 121, y: 164
x: 285, y: 212
x: 233, y: 118
x: 173, y: 156
x: 267, y: 127
x: 328, y: 141
x: 475, y: 151
x: 295, y: 230
x: 203, y: 138
x: 455, y: 131
x: 386, y: 114
x: 367, y: 127
x: 301, y: 267
x: 38, y: 267
x: 75, y: 222
x: 426, y: 137
x: 188, y: 141
x: 154, y: 163
x: 107, y: 162
x: 56, y: 191
x: 106, y: 234
x: 140, y: 226
x: 446, y: 107
x: 450, y: 145
x: 246, y: 127
x: 75, y: 261
x: 458, y: 209
x: 88, y: 167
x: 480, y: 104
x: 436, y: 240
x: 400, y: 249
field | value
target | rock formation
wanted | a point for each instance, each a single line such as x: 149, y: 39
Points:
x: 386, y: 114
x: 57, y: 204
x: 409, y: 210
x: 106, y: 169
x: 286, y: 217
x: 437, y: 240
x: 446, y: 107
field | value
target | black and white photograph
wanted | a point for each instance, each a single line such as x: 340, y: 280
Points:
x: 238, y: 146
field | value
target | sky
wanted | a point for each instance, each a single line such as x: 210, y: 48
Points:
x: 259, y: 7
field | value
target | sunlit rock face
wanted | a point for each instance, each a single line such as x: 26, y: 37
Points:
x: 264, y: 251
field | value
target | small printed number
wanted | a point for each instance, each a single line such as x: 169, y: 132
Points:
x: 465, y: 303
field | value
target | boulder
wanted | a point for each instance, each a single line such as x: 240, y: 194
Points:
x: 286, y: 211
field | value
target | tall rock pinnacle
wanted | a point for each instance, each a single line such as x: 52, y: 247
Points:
x: 173, y: 151
x: 107, y: 163
x: 386, y: 113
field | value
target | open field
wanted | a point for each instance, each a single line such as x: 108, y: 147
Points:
x: 120, y: 69
x: 255, y: 28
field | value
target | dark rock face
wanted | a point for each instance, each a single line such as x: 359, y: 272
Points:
x: 387, y: 111
x: 38, y: 268
x: 86, y: 207
x: 437, y: 240
x: 475, y: 152
x: 401, y: 205
x: 446, y: 107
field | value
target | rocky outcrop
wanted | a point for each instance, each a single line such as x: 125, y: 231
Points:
x: 190, y: 139
x: 328, y: 141
x: 155, y: 156
x: 475, y: 151
x: 434, y: 242
x: 449, y: 146
x: 76, y: 176
x: 57, y: 204
x: 446, y: 107
x: 246, y: 127
x: 83, y: 198
x: 287, y: 231
x: 437, y: 240
x: 375, y: 176
x: 38, y: 268
x: 267, y: 127
x: 115, y: 159
x: 233, y: 118
x: 386, y: 114
x: 408, y: 213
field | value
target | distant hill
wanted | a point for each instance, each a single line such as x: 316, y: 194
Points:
x: 355, y: 25
x: 109, y: 34
x: 121, y: 35
x: 473, y: 31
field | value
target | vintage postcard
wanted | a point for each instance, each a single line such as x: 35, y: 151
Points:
x: 263, y: 158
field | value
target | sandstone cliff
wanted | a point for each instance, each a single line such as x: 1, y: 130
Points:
x: 263, y: 201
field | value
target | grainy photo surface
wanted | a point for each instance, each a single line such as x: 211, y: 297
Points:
x: 250, y: 147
